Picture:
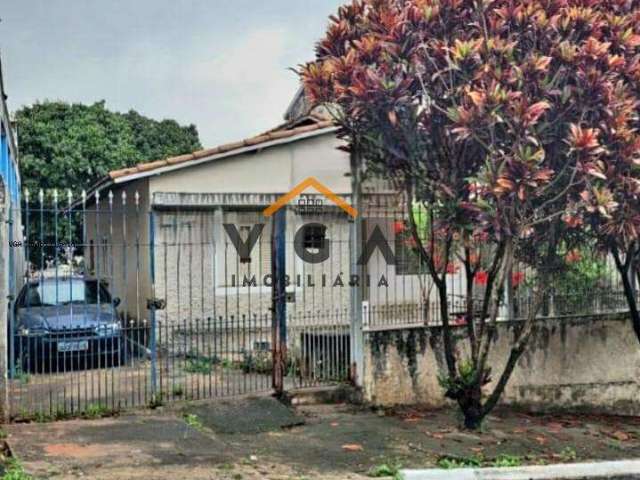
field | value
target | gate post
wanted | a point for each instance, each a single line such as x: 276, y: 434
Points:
x: 4, y: 304
x: 278, y: 295
x: 152, y: 306
x: 357, y: 293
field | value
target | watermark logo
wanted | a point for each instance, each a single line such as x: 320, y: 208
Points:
x: 301, y: 188
x: 311, y: 242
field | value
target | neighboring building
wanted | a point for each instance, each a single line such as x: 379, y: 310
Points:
x: 10, y: 176
x: 172, y: 245
x: 8, y: 149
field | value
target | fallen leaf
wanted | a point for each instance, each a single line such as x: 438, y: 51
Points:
x: 438, y: 436
x: 541, y: 440
x: 519, y: 430
x: 554, y: 426
x: 334, y: 424
x: 620, y: 435
x: 352, y: 447
x: 477, y: 449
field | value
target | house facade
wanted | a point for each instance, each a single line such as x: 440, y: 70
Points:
x: 164, y: 230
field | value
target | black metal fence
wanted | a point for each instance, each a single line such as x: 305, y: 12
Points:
x: 126, y: 305
x: 586, y: 283
x: 126, y: 302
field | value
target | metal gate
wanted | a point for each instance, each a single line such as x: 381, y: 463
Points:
x: 125, y: 301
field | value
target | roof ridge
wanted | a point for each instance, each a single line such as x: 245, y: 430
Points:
x: 268, y: 136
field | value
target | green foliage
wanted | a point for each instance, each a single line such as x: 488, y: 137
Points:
x: 463, y: 381
x: 257, y: 362
x: 587, y: 272
x: 95, y: 410
x: 178, y: 390
x: 72, y: 146
x: 568, y: 454
x: 391, y: 469
x: 477, y: 461
x: 202, y: 365
x: 15, y: 471
x: 422, y: 219
x: 448, y: 463
x: 66, y: 145
x: 156, y: 401
x: 193, y: 421
x: 506, y: 461
x: 22, y: 376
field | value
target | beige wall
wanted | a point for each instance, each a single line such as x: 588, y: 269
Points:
x: 195, y: 261
x: 590, y: 364
x: 272, y: 170
x: 121, y: 246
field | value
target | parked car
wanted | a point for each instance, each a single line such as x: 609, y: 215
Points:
x: 66, y: 320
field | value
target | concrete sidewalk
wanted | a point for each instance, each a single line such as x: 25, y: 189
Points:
x: 258, y: 439
x: 621, y: 470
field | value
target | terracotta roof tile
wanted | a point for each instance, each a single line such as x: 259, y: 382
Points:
x: 145, y: 167
x: 180, y: 158
x: 227, y: 147
x: 279, y: 134
x: 256, y: 140
x: 276, y: 134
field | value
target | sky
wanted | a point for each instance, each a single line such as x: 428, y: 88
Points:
x: 223, y: 65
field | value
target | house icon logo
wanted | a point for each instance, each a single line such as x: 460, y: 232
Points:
x: 310, y: 182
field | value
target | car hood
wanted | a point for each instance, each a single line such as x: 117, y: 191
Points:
x: 67, y: 316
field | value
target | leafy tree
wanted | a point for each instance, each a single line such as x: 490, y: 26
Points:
x: 71, y: 146
x: 484, y: 111
x: 155, y: 140
x: 608, y: 142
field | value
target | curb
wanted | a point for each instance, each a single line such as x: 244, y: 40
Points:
x: 619, y: 470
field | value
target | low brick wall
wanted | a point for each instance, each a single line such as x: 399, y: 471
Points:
x: 588, y: 364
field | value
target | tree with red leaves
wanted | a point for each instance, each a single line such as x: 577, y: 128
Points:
x: 607, y: 143
x: 489, y: 113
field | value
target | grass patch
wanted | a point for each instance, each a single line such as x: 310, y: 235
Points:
x: 257, y: 362
x: 201, y: 365
x: 15, y: 471
x: 22, y: 376
x: 386, y: 470
x: 92, y: 411
x: 177, y: 390
x: 478, y: 461
x: 449, y: 463
x: 502, y: 461
x: 96, y: 410
x: 193, y: 421
x: 568, y: 454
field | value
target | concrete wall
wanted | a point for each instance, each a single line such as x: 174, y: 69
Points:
x: 587, y: 364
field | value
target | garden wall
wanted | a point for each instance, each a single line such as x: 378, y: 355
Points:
x: 588, y: 364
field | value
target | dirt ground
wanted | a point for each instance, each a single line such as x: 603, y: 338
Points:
x: 328, y: 442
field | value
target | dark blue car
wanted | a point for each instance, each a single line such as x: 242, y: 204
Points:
x: 70, y: 320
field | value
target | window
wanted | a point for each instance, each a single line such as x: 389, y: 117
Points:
x: 231, y: 265
x: 314, y: 236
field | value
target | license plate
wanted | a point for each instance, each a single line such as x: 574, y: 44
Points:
x: 77, y: 346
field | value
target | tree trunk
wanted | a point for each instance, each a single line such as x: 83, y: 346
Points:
x: 470, y: 403
x: 629, y: 291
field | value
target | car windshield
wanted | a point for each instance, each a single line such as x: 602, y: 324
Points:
x: 64, y: 292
